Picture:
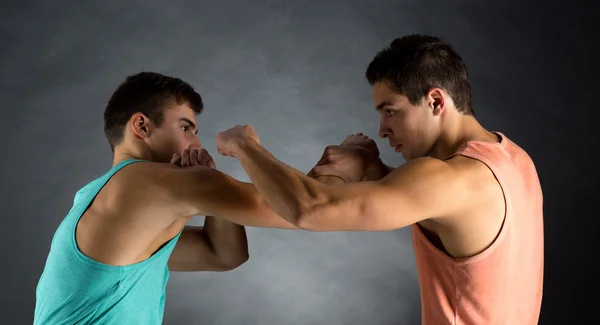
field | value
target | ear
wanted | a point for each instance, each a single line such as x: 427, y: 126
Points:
x: 141, y: 125
x: 436, y: 100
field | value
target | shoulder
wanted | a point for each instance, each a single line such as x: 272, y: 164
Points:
x: 459, y: 184
x: 153, y: 176
x: 138, y: 177
x: 457, y: 169
x: 480, y: 189
x: 127, y: 188
x: 472, y: 173
x: 427, y: 171
x: 176, y: 191
x: 146, y: 185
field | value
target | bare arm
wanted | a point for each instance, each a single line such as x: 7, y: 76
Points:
x: 222, y: 245
x: 421, y: 189
x: 326, y: 179
x: 385, y: 170
x: 207, y: 191
x: 218, y: 246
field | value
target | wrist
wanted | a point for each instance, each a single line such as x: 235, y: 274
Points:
x: 240, y: 145
x: 330, y: 179
x: 376, y: 171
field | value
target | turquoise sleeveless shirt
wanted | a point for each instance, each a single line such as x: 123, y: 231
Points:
x: 74, y: 289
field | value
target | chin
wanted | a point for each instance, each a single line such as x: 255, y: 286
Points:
x: 407, y: 159
x: 408, y: 156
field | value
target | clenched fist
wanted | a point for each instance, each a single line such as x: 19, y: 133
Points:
x: 355, y: 159
x: 227, y: 140
x: 361, y: 140
x: 193, y: 157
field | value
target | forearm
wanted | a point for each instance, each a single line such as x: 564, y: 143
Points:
x: 261, y: 214
x: 287, y: 191
x: 207, y: 191
x: 326, y: 179
x: 243, y: 205
x: 228, y: 241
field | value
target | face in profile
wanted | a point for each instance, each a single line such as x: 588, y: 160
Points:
x: 177, y: 132
x: 410, y: 129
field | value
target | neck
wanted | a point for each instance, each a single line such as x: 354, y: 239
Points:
x: 126, y: 151
x: 457, y: 130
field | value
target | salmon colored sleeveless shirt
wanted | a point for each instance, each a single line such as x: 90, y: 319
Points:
x: 502, y: 284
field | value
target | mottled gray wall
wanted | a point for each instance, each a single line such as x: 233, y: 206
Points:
x: 294, y: 69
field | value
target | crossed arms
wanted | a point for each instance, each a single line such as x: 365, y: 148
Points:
x: 421, y: 189
x: 228, y: 204
x: 282, y: 197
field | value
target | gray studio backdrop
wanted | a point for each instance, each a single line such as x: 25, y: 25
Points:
x: 295, y: 70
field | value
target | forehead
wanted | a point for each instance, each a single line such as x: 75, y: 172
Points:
x: 178, y: 111
x: 385, y: 95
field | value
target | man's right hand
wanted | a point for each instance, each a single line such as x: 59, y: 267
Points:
x: 355, y: 159
x: 230, y: 138
x: 361, y: 140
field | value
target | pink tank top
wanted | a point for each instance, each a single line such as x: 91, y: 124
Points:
x: 503, y: 284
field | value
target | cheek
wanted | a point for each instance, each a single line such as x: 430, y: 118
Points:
x: 411, y: 129
x: 182, y: 141
x: 173, y: 141
x: 404, y: 126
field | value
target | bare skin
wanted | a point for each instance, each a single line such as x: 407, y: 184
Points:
x: 146, y: 204
x: 132, y: 216
x: 457, y: 202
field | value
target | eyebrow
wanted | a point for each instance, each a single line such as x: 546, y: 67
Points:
x: 382, y: 105
x: 188, y: 121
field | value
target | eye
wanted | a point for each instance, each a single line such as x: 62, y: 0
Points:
x: 389, y: 112
x: 185, y: 128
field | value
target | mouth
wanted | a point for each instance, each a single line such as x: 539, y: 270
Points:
x: 397, y: 147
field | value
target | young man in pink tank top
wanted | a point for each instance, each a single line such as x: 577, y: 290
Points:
x: 471, y: 197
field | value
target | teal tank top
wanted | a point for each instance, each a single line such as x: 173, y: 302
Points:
x: 74, y: 289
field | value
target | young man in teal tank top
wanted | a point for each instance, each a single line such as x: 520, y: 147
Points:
x: 110, y: 257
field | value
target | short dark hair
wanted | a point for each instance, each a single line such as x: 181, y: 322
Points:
x: 414, y: 64
x: 148, y: 93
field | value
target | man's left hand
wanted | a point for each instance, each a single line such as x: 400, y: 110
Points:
x: 193, y: 157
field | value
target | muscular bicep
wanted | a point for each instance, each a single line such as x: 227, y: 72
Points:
x: 194, y: 252
x: 207, y: 191
x: 201, y: 191
x: 419, y: 190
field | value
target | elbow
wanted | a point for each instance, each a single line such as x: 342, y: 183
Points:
x: 311, y: 208
x: 301, y: 221
x: 241, y: 258
x: 234, y: 261
x: 305, y: 217
x: 298, y: 213
x: 239, y: 261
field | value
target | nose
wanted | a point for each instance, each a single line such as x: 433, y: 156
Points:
x: 384, y: 131
x: 195, y: 143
